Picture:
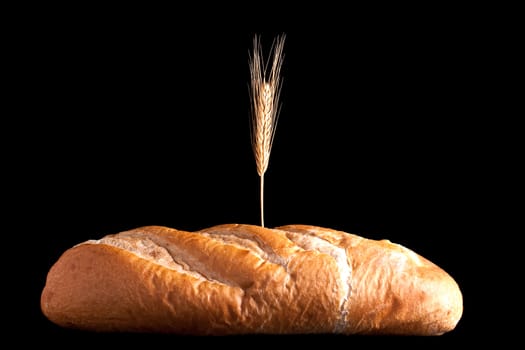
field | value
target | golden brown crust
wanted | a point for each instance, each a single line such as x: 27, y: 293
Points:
x: 394, y: 290
x: 238, y: 279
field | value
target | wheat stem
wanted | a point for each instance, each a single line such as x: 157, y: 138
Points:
x: 261, y: 187
x: 265, y: 89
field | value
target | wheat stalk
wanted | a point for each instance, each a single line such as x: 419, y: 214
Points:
x: 265, y: 89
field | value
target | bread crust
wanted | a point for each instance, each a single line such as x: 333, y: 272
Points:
x: 394, y: 290
x: 245, y: 279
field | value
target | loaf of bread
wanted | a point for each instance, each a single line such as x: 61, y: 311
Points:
x: 244, y: 279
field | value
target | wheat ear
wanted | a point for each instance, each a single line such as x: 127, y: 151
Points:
x: 265, y: 89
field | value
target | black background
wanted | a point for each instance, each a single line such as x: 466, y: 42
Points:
x: 127, y: 119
